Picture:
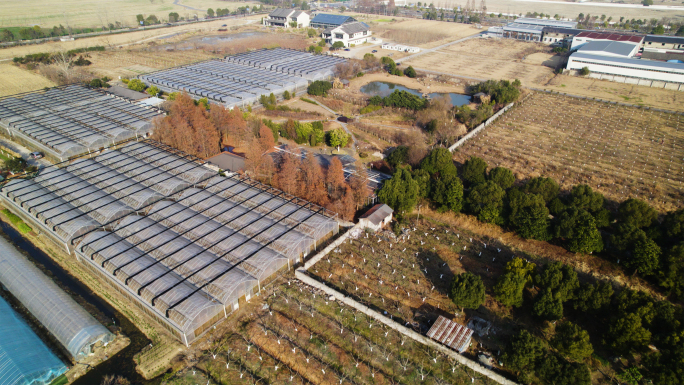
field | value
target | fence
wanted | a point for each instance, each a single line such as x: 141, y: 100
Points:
x: 480, y: 128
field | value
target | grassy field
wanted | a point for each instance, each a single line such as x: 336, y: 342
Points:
x: 620, y: 151
x: 14, y: 80
x: 423, y: 33
x: 95, y: 13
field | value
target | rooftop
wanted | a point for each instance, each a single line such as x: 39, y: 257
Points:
x: 600, y: 47
x: 326, y: 18
x: 451, y: 334
x: 611, y: 36
x: 664, y: 39
x: 127, y: 93
x: 377, y: 213
x: 281, y: 12
x: 636, y: 63
x: 546, y: 22
x: 228, y: 161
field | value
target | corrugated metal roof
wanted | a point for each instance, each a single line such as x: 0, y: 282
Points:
x: 451, y: 334
x: 609, y: 46
x: 679, y: 67
x: 546, y: 22
x: 326, y: 18
x: 664, y: 39
x: 527, y: 28
x: 567, y: 31
x: 611, y: 36
x: 377, y: 213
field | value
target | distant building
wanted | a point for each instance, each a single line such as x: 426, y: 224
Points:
x: 552, y: 35
x: 668, y: 44
x: 400, y: 48
x: 349, y: 34
x: 126, y: 93
x: 377, y: 217
x: 326, y: 20
x: 528, y: 29
x: 630, y: 70
x: 588, y: 36
x: 451, y: 334
x: 282, y: 17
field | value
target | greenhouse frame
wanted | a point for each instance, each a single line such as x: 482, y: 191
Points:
x: 65, y: 122
x: 65, y: 319
x: 241, y: 80
x: 184, y: 243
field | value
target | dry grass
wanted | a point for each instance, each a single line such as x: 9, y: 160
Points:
x: 619, y: 151
x: 423, y: 33
x: 14, y: 80
x: 490, y: 59
x: 91, y: 13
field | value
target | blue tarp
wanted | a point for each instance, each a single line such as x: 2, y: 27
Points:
x: 24, y: 358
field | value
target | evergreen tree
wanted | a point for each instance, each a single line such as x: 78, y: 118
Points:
x: 636, y: 212
x: 467, y: 291
x: 530, y: 217
x: 626, y: 334
x: 523, y: 351
x: 448, y: 193
x: 572, y: 341
x: 578, y: 228
x: 474, y: 171
x: 439, y: 163
x: 486, y: 201
x: 502, y: 176
x: 400, y: 192
x: 593, y: 297
x: 549, y: 305
x: 560, y: 278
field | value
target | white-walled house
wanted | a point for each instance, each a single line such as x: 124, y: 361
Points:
x: 351, y: 33
x: 282, y: 17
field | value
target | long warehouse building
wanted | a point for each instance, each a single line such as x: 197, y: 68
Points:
x: 69, y: 121
x: 240, y: 80
x: 182, y: 242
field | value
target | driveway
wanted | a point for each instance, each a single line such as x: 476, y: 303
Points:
x: 24, y: 152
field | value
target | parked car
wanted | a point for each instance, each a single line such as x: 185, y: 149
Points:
x: 36, y: 155
x: 347, y: 49
x: 374, y: 51
x: 224, y: 25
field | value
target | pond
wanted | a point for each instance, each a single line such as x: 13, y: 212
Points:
x: 385, y: 88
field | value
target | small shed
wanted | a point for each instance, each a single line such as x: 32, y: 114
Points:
x: 377, y: 217
x: 451, y: 334
x: 127, y: 93
x: 228, y: 161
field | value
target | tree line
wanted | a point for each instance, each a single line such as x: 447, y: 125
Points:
x: 579, y: 220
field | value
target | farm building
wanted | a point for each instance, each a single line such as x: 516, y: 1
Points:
x: 228, y: 161
x: 589, y: 36
x: 65, y: 319
x: 240, y: 80
x: 609, y: 48
x: 181, y: 242
x: 400, y: 47
x: 283, y: 17
x: 451, y: 334
x: 630, y: 70
x: 69, y: 121
x: 127, y: 94
x: 326, y: 20
x: 663, y: 43
x: 528, y: 29
x: 377, y: 217
x: 349, y: 34
x: 551, y: 35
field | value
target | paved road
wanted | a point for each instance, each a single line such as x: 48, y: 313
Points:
x: 24, y: 152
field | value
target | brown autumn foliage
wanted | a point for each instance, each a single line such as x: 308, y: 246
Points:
x: 306, y: 179
x: 188, y: 128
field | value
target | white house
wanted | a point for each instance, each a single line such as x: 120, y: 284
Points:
x: 282, y: 17
x: 400, y: 48
x: 350, y: 33
x: 377, y: 217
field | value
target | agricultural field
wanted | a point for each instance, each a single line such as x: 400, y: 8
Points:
x: 619, y: 151
x: 94, y: 13
x: 423, y: 33
x: 130, y: 63
x: 491, y: 59
x: 14, y: 80
x: 127, y: 39
x: 295, y: 334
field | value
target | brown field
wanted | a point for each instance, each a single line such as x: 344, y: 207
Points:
x: 619, y: 151
x: 423, y: 33
x: 125, y: 39
x: 94, y: 13
x: 14, y: 80
x: 490, y: 59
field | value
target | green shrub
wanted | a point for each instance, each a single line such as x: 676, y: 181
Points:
x: 319, y: 88
x: 369, y: 109
x: 15, y: 220
x: 136, y: 85
x: 24, y: 228
x: 584, y: 71
x: 307, y: 100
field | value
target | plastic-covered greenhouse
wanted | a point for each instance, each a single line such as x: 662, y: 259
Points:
x: 71, y: 325
x: 24, y: 358
x: 72, y: 120
x: 240, y: 80
x: 182, y: 241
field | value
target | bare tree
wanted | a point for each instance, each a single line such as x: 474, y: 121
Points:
x: 63, y: 61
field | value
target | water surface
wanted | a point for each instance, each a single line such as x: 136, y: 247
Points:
x: 385, y: 88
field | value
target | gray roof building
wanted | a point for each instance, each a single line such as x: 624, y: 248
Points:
x: 127, y: 93
x: 609, y: 48
x: 228, y: 161
x: 377, y: 214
